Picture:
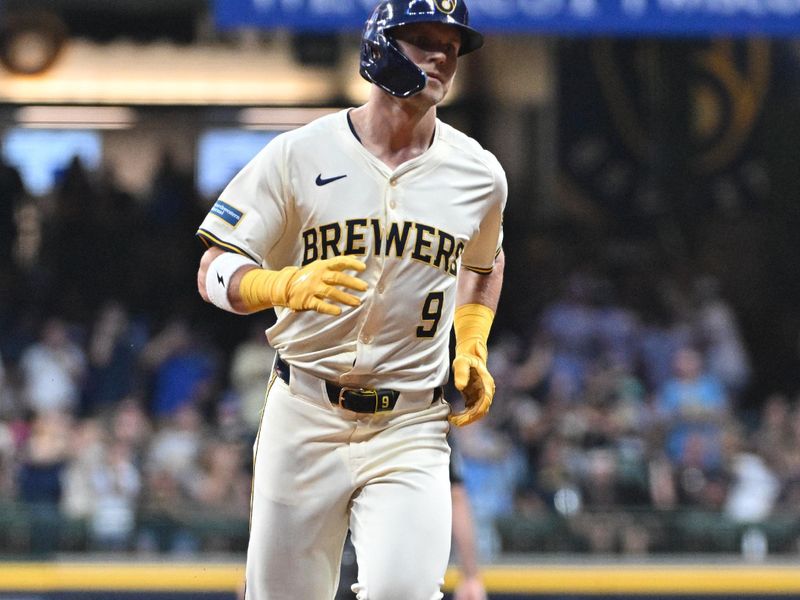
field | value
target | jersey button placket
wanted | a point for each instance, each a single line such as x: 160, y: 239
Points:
x: 392, y: 193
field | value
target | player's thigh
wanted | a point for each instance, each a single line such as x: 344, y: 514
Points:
x: 299, y: 504
x: 401, y: 521
x: 402, y: 539
x: 293, y: 553
x: 300, y: 453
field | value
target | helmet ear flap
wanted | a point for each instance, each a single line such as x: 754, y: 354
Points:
x: 373, y: 51
x: 385, y: 65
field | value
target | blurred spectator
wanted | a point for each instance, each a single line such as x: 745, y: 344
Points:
x: 616, y: 326
x: 533, y: 375
x: 86, y: 450
x: 166, y: 242
x: 12, y: 191
x: 604, y: 523
x: 719, y: 334
x: 250, y: 370
x: 115, y: 485
x: 661, y: 335
x: 131, y: 426
x: 551, y: 474
x: 70, y: 244
x: 774, y: 438
x: 222, y: 486
x: 177, y: 444
x: 164, y: 517
x: 44, y: 457
x: 221, y: 494
x: 100, y: 486
x: 183, y: 369
x: 114, y: 215
x: 661, y: 483
x: 53, y: 368
x: 785, y: 457
x: 230, y: 426
x: 7, y: 463
x: 492, y: 471
x: 172, y: 204
x: 693, y: 407
x: 171, y: 467
x: 792, y: 468
x: 114, y: 347
x: 568, y: 325
x: 754, y: 489
x: 5, y: 391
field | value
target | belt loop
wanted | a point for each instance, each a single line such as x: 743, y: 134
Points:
x: 322, y: 388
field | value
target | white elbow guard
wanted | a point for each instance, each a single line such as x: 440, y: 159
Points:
x: 219, y: 275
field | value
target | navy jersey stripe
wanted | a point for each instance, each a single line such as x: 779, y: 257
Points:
x: 478, y: 270
x: 209, y: 239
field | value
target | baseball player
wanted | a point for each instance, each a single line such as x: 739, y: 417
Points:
x: 371, y: 232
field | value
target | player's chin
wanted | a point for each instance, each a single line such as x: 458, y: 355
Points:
x: 435, y: 93
x: 436, y: 88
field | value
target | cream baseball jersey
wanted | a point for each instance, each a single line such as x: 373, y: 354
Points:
x: 315, y: 193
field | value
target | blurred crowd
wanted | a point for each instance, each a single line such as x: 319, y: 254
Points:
x: 128, y: 408
x: 121, y: 427
x: 617, y: 430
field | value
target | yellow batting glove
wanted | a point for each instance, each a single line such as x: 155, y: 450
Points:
x: 471, y: 377
x: 304, y: 288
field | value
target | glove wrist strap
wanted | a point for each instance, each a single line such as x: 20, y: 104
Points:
x: 472, y: 324
x: 261, y: 288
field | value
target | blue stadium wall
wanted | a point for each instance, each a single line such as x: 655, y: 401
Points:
x: 215, y: 581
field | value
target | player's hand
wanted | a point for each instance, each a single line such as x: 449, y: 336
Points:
x: 310, y: 287
x: 472, y: 379
x: 470, y: 588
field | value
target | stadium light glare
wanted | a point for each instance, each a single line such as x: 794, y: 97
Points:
x: 280, y: 118
x: 75, y: 117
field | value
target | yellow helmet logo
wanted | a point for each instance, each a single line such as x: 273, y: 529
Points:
x: 446, y: 6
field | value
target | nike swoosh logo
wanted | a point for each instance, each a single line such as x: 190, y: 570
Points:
x: 321, y: 181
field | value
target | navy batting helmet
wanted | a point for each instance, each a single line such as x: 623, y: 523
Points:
x: 382, y: 61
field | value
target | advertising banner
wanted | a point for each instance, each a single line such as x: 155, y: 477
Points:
x: 774, y: 18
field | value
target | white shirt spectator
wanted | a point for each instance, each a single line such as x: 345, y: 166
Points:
x: 53, y: 369
x: 754, y: 491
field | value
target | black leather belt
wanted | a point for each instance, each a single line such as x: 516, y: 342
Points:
x: 355, y: 399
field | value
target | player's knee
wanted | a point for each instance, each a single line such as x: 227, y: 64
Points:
x: 406, y: 586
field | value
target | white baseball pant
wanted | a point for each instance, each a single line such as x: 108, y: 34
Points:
x: 319, y: 468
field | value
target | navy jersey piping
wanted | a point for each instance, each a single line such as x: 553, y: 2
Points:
x: 209, y: 239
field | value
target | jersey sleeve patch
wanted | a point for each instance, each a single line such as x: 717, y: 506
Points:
x: 227, y: 213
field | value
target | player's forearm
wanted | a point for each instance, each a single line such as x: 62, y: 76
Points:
x: 480, y: 288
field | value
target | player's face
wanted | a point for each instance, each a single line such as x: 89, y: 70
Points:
x: 433, y: 47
